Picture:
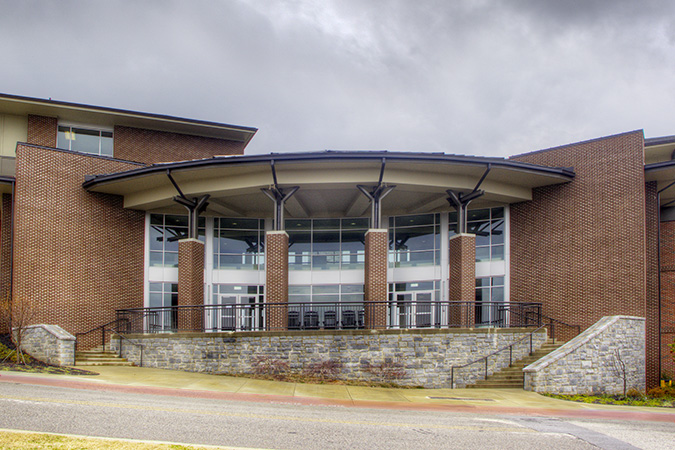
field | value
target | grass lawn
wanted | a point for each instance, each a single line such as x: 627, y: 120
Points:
x: 30, y: 440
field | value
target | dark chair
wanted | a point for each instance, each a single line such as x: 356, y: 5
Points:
x: 349, y: 318
x: 311, y: 320
x: 330, y: 320
x: 228, y: 323
x: 293, y: 320
x: 362, y: 315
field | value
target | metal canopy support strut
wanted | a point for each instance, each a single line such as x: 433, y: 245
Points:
x: 375, y: 195
x: 460, y: 201
x: 279, y: 197
x: 195, y: 207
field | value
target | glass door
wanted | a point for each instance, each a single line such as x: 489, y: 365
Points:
x: 239, y: 313
x: 412, y: 310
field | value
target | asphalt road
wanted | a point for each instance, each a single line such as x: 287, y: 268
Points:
x: 282, y: 425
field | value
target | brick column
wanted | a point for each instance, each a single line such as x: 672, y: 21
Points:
x: 462, y: 278
x: 276, y: 278
x: 190, y: 283
x: 376, y: 278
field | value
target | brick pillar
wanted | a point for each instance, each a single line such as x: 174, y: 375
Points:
x: 462, y: 278
x: 42, y: 130
x: 191, y: 283
x: 376, y: 278
x: 276, y: 278
x: 5, y: 254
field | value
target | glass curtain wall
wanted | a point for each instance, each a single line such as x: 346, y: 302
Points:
x: 414, y: 240
x: 165, y: 232
x: 238, y: 244
x: 488, y: 226
x: 326, y: 306
x: 326, y: 244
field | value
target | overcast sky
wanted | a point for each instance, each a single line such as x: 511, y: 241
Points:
x: 465, y: 77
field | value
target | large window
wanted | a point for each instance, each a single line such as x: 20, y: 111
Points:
x: 238, y: 244
x: 414, y: 240
x: 488, y: 226
x: 489, y: 299
x: 326, y: 244
x: 165, y: 232
x: 85, y: 140
x: 164, y: 296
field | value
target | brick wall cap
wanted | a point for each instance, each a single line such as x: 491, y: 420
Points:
x: 54, y: 330
x: 571, y: 346
x: 277, y: 232
x: 190, y: 240
x: 463, y: 235
x: 377, y: 230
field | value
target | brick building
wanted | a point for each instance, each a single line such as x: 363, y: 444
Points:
x: 106, y: 210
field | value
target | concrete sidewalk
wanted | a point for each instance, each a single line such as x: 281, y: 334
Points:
x: 167, y: 382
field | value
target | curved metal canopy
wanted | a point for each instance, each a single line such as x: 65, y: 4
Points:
x: 327, y: 182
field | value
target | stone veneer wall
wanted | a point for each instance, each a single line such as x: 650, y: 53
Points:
x: 586, y: 364
x: 424, y: 357
x: 49, y: 343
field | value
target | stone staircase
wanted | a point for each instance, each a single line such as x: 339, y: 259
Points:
x: 512, y: 377
x: 99, y: 357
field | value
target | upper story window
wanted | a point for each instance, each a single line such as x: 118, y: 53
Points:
x: 85, y: 140
x: 488, y: 226
x: 414, y: 240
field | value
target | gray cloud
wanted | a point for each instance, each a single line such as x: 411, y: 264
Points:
x: 474, y: 77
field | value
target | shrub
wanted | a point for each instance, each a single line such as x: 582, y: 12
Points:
x: 324, y: 370
x: 274, y: 368
x: 633, y: 393
x: 656, y: 392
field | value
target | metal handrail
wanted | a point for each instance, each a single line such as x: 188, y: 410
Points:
x: 510, y: 347
x: 100, y: 327
x: 123, y: 337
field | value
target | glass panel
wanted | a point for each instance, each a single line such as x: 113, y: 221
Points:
x: 498, y: 253
x: 422, y: 238
x: 106, y: 143
x: 156, y: 259
x: 298, y: 224
x: 63, y: 138
x: 299, y: 242
x: 498, y: 294
x: 326, y: 289
x: 352, y: 297
x: 361, y: 223
x: 353, y: 241
x: 179, y: 221
x: 498, y: 232
x: 156, y: 287
x: 83, y: 140
x: 293, y: 290
x: 482, y: 232
x: 171, y: 237
x: 498, y: 281
x: 155, y: 300
x: 238, y: 262
x: 482, y: 254
x: 326, y: 241
x: 482, y: 294
x: 497, y: 213
x: 238, y: 223
x: 238, y: 241
x: 452, y: 217
x: 156, y: 219
x: 299, y: 298
x: 408, y: 221
x: 171, y: 259
x: 326, y: 261
x: 478, y: 214
x: 483, y: 282
x: 156, y: 238
x: 352, y: 288
x: 326, y: 298
x: 327, y: 224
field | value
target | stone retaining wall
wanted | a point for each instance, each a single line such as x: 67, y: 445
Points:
x: 49, y: 343
x: 406, y: 357
x: 588, y: 363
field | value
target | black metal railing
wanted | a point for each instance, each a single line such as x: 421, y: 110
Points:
x: 328, y: 316
x: 528, y: 338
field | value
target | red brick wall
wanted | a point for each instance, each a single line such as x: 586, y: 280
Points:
x: 42, y: 130
x: 652, y: 297
x: 276, y: 278
x: 78, y: 256
x: 375, y: 278
x: 148, y: 146
x: 5, y: 245
x: 462, y: 286
x: 190, y: 283
x: 667, y: 295
x: 580, y: 248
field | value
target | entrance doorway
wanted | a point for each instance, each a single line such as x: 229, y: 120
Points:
x: 413, y: 310
x: 234, y: 312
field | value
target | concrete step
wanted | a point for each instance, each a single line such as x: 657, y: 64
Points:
x: 97, y: 357
x: 103, y: 363
x: 512, y: 377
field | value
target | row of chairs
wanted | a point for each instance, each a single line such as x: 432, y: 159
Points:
x: 310, y: 320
